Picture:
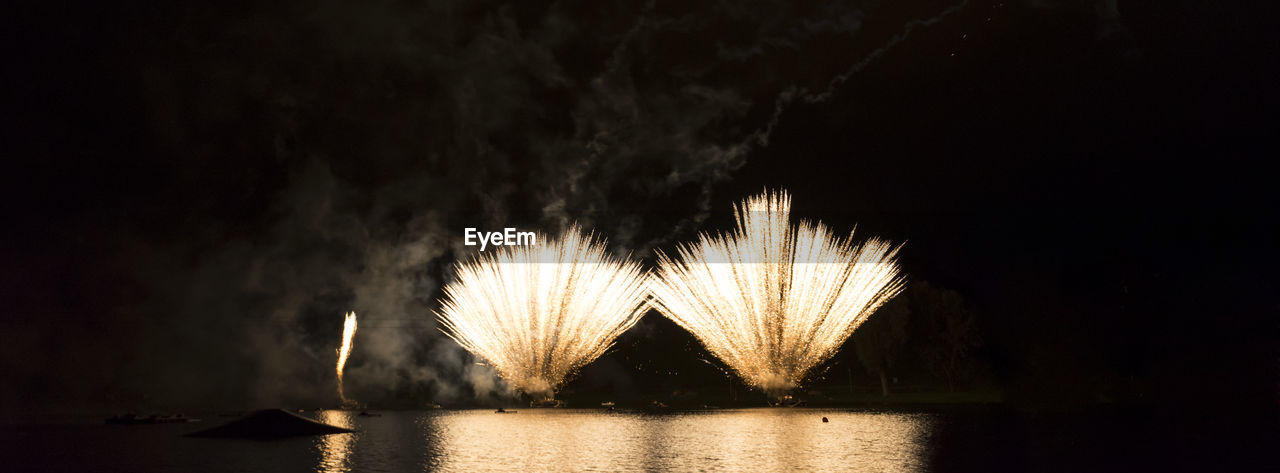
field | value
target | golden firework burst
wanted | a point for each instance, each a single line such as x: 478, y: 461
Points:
x: 538, y: 313
x: 772, y: 300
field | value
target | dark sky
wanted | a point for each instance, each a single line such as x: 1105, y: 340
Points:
x: 195, y: 193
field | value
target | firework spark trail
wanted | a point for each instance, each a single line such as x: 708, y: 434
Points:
x: 348, y: 333
x: 790, y: 94
x: 772, y: 300
x: 538, y: 313
x: 732, y: 155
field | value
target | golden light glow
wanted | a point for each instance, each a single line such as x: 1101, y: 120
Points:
x: 336, y: 449
x: 348, y: 333
x: 538, y: 313
x: 772, y: 300
x: 716, y: 440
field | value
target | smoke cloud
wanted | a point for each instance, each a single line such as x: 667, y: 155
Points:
x: 325, y: 157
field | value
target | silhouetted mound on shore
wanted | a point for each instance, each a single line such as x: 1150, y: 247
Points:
x: 268, y: 424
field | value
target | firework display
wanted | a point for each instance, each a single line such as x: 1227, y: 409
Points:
x: 772, y: 300
x: 538, y: 313
x: 344, y: 352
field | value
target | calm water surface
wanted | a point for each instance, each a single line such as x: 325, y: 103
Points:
x: 717, y: 440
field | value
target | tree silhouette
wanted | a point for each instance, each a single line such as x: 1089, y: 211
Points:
x: 880, y: 339
x: 951, y: 332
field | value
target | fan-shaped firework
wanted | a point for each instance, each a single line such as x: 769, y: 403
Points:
x: 771, y: 300
x: 538, y: 313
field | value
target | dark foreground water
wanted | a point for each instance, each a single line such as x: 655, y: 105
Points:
x: 593, y: 440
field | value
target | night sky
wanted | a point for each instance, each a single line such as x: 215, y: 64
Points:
x: 195, y: 193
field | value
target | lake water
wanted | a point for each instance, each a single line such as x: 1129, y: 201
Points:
x: 594, y: 440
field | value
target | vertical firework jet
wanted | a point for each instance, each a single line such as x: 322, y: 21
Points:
x: 773, y: 300
x: 348, y: 333
x: 538, y: 313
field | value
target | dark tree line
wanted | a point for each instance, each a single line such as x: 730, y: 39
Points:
x: 927, y: 332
